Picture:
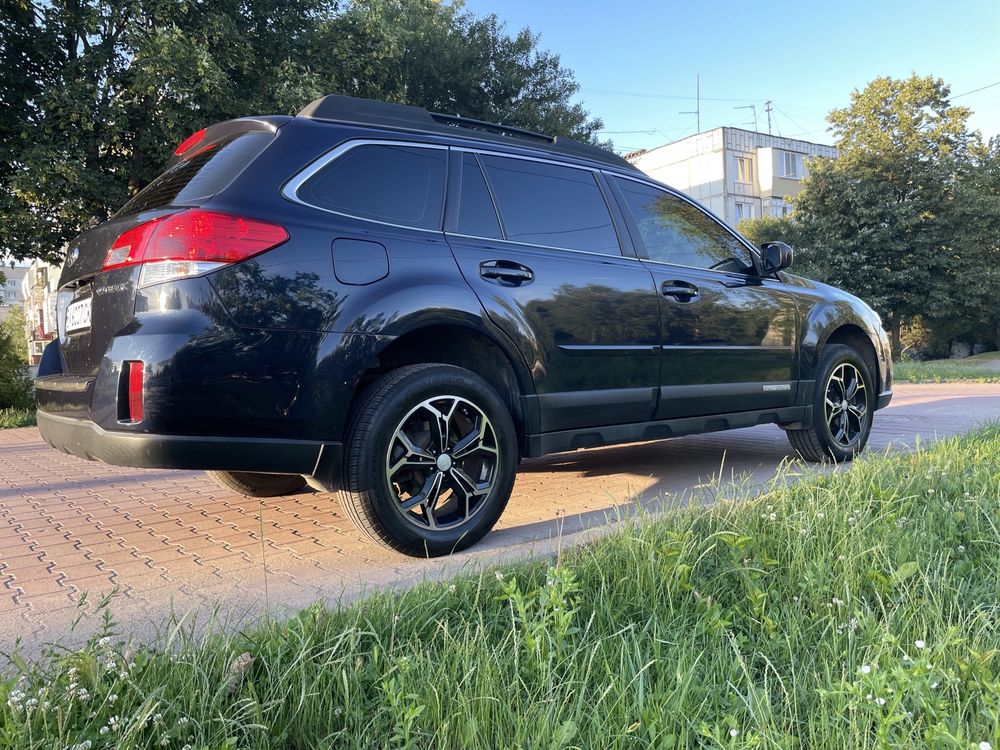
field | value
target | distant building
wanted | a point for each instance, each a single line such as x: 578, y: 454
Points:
x: 11, y: 293
x: 40, y: 290
x: 735, y: 173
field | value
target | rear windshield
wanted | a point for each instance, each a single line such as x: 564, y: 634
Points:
x: 200, y: 176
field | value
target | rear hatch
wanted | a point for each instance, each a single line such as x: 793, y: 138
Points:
x: 95, y: 305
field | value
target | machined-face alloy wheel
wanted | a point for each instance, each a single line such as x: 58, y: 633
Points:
x: 442, y: 462
x: 846, y: 406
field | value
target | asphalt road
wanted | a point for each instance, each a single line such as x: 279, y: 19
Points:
x: 174, y: 542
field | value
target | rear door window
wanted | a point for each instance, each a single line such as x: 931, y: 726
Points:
x: 401, y: 185
x: 477, y: 216
x: 208, y: 171
x: 549, y: 204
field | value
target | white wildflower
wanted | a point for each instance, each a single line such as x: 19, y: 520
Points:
x: 866, y: 669
x: 499, y: 576
x: 105, y: 729
x: 880, y: 700
x: 984, y: 745
x: 104, y: 642
x: 734, y: 733
x: 919, y: 644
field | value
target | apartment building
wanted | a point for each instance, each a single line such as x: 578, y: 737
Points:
x: 11, y: 293
x: 735, y: 173
x: 39, y: 288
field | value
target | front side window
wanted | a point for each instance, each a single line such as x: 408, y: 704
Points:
x: 552, y: 205
x: 382, y: 182
x: 675, y: 231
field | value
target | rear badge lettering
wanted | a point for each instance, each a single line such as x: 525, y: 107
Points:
x: 112, y: 288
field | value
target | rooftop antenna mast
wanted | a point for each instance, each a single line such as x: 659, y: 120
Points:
x: 754, y: 108
x: 697, y: 108
x: 768, y: 108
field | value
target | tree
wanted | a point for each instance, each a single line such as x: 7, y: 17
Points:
x: 109, y: 87
x: 15, y: 384
x: 892, y: 217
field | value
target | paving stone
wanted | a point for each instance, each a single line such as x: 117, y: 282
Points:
x: 176, y: 541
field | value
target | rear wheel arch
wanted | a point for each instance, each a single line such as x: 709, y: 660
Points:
x: 465, y: 347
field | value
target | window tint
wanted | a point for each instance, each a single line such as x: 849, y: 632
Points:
x: 477, y: 216
x: 395, y: 184
x: 546, y: 204
x: 674, y: 231
x: 201, y: 176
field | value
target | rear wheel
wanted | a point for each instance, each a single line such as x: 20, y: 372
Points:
x: 430, y: 460
x: 258, y: 485
x: 842, y: 408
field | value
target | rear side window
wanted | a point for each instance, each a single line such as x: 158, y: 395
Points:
x: 674, y: 231
x: 393, y: 184
x: 202, y: 175
x: 477, y: 216
x: 548, y: 204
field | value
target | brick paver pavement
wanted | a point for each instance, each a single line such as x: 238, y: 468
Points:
x: 166, y: 541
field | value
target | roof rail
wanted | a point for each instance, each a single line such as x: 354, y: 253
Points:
x: 350, y: 109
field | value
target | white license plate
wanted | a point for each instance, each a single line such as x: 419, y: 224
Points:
x: 78, y: 315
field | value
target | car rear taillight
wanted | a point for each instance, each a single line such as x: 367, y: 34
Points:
x: 189, y: 142
x: 134, y: 391
x: 191, y: 243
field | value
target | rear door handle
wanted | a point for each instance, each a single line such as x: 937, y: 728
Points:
x: 505, y: 272
x: 680, y: 291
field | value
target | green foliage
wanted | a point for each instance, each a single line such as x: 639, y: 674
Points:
x: 103, y: 90
x: 12, y: 417
x: 907, y: 215
x: 852, y: 610
x: 15, y: 384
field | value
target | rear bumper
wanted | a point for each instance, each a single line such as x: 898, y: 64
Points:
x: 87, y: 440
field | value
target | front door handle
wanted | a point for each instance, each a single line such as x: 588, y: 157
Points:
x: 505, y: 272
x: 680, y: 291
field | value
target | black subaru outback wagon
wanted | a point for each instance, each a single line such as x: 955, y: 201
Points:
x: 400, y: 305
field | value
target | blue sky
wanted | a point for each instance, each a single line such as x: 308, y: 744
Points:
x: 805, y: 57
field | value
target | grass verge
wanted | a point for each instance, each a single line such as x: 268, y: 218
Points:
x: 854, y: 610
x: 11, y: 417
x: 981, y: 368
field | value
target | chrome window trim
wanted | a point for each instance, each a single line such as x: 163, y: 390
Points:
x: 619, y: 256
x: 290, y: 189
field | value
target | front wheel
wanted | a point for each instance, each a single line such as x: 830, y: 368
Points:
x: 843, y: 405
x: 430, y: 460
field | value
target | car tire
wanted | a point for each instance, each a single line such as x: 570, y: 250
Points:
x: 842, y: 408
x: 253, y: 484
x: 430, y: 459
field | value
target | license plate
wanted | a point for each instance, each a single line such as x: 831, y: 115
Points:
x: 78, y: 315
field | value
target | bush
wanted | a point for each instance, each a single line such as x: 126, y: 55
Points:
x: 16, y: 390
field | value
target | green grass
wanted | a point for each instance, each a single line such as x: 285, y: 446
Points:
x: 10, y: 417
x: 980, y: 368
x: 856, y: 610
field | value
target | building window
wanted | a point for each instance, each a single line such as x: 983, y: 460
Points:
x: 744, y: 169
x: 790, y: 165
x: 744, y: 211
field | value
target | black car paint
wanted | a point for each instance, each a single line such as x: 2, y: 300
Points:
x: 274, y: 350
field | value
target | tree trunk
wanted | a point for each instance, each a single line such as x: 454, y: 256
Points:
x: 894, y: 334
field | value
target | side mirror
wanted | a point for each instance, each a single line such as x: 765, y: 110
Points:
x: 777, y: 256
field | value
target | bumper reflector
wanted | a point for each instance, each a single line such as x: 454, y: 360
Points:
x: 135, y: 391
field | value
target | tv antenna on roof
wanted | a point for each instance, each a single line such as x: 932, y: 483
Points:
x: 697, y: 108
x: 754, y: 108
